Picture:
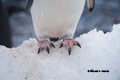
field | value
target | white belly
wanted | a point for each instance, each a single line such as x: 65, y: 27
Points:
x: 56, y: 18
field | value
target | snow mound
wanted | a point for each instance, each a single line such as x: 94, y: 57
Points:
x: 99, y: 52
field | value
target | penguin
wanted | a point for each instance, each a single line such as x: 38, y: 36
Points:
x: 55, y: 19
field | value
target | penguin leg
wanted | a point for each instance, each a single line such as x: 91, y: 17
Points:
x: 69, y: 42
x: 44, y: 44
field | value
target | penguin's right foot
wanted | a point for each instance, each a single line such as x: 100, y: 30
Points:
x: 45, y: 44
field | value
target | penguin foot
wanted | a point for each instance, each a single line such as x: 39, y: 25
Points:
x: 69, y: 43
x: 45, y: 44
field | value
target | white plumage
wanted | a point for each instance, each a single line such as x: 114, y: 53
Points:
x: 56, y: 18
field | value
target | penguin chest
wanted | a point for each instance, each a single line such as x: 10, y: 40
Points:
x: 56, y: 18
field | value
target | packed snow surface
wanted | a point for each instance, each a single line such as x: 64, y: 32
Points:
x: 98, y: 52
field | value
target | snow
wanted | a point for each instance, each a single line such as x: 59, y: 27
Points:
x: 99, y: 52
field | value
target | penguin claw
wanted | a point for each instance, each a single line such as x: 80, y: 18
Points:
x: 38, y: 50
x: 69, y: 51
x: 69, y: 43
x: 78, y: 44
x: 52, y: 45
x: 47, y: 49
x: 61, y: 45
x: 45, y: 45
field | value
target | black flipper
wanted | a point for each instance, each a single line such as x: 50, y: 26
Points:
x: 91, y: 4
x: 29, y: 4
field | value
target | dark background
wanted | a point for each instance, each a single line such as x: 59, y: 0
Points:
x: 16, y: 23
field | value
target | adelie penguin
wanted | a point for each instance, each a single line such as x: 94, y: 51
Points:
x: 55, y: 19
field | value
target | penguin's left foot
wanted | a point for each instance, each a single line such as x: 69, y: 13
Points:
x: 69, y: 43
